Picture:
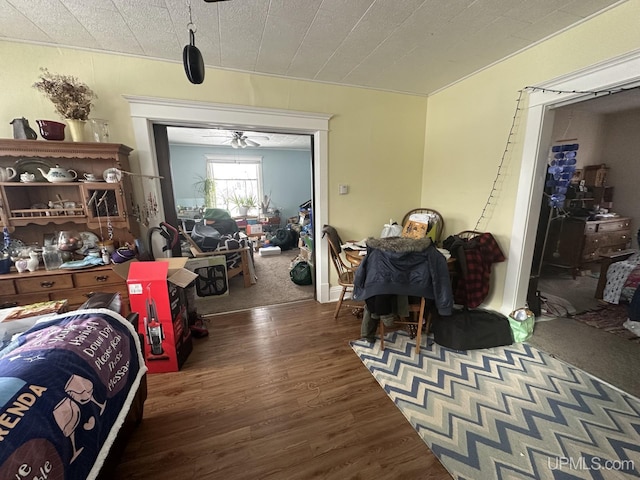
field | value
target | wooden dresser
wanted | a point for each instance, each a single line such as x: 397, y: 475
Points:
x: 574, y: 242
x: 76, y: 286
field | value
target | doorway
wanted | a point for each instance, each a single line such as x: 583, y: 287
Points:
x: 146, y: 111
x: 275, y: 169
x: 616, y: 73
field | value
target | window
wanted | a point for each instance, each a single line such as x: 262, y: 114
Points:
x: 237, y: 182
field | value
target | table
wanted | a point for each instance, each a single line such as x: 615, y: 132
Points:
x: 354, y: 258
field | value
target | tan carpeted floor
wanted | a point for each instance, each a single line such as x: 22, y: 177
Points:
x: 273, y: 286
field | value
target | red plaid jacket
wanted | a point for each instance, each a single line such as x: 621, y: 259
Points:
x: 480, y: 253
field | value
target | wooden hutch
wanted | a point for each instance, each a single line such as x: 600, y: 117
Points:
x: 36, y: 210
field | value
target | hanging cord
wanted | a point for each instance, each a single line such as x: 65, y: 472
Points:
x: 502, y: 160
x: 190, y: 25
x: 595, y: 93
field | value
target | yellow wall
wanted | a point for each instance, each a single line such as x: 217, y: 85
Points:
x: 376, y: 139
x: 468, y: 126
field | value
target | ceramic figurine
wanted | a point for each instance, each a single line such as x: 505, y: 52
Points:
x: 21, y: 265
x: 33, y: 262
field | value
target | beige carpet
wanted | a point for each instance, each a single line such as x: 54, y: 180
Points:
x: 273, y: 286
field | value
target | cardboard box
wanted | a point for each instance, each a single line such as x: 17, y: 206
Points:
x: 253, y: 229
x: 156, y: 292
x: 306, y: 255
x: 269, y: 251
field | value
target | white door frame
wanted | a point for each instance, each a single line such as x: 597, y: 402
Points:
x: 623, y: 71
x: 145, y: 111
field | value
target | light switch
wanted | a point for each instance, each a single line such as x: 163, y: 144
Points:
x: 343, y: 189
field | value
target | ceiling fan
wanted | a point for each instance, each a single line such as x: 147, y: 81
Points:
x: 239, y: 139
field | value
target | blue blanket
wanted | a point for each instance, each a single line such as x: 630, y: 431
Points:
x: 66, y: 386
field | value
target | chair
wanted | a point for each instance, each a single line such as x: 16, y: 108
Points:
x: 436, y: 221
x: 469, y: 234
x: 345, y: 272
x: 414, y: 321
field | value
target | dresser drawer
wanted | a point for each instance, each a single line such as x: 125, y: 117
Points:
x: 95, y: 279
x: 623, y: 224
x: 78, y: 296
x: 44, y: 284
x: 25, y: 299
x: 602, y: 240
x: 7, y: 287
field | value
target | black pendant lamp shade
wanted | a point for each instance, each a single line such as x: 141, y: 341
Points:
x: 193, y: 62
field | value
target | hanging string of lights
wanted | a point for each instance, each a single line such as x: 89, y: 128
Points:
x: 595, y: 93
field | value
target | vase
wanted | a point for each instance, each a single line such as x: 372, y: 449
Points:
x: 76, y: 128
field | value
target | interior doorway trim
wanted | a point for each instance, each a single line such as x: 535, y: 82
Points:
x: 623, y: 71
x: 145, y: 111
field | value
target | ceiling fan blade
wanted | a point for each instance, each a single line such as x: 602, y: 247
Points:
x: 251, y: 142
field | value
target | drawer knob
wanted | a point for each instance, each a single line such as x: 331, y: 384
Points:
x: 102, y: 278
x: 47, y: 284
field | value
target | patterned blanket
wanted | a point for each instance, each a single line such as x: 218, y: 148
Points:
x: 66, y: 386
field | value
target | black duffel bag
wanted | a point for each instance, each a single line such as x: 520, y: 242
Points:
x: 472, y: 329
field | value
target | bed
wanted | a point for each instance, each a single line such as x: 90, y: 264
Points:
x: 619, y: 277
x: 72, y: 388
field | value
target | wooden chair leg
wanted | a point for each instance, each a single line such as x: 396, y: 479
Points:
x: 344, y: 289
x: 419, y: 326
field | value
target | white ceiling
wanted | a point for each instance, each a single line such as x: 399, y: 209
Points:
x: 216, y: 137
x: 414, y: 46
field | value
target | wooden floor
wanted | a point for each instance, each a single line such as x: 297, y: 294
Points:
x: 275, y: 393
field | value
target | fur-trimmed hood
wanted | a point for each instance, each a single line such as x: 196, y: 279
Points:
x: 399, y: 244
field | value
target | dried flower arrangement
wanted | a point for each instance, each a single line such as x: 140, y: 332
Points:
x: 71, y: 98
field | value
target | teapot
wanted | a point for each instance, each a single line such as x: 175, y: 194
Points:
x: 7, y: 174
x: 27, y: 177
x: 57, y: 174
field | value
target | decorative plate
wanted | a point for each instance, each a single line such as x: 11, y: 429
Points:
x: 89, y: 240
x: 30, y: 165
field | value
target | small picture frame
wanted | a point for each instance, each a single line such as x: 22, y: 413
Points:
x: 578, y: 175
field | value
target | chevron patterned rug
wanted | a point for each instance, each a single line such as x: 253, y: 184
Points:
x: 508, y: 412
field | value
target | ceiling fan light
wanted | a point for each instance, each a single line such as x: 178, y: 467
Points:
x: 234, y: 143
x: 243, y: 144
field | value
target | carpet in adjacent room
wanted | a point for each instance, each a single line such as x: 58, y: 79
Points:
x: 609, y: 318
x: 273, y: 286
x: 507, y: 412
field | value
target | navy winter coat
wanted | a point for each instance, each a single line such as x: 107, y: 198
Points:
x: 404, y: 266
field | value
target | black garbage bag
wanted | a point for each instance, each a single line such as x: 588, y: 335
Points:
x: 284, y: 238
x: 207, y: 238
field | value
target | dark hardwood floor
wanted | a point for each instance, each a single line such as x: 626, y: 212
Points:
x: 275, y: 393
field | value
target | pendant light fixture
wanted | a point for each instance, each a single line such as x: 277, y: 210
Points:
x: 191, y: 56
